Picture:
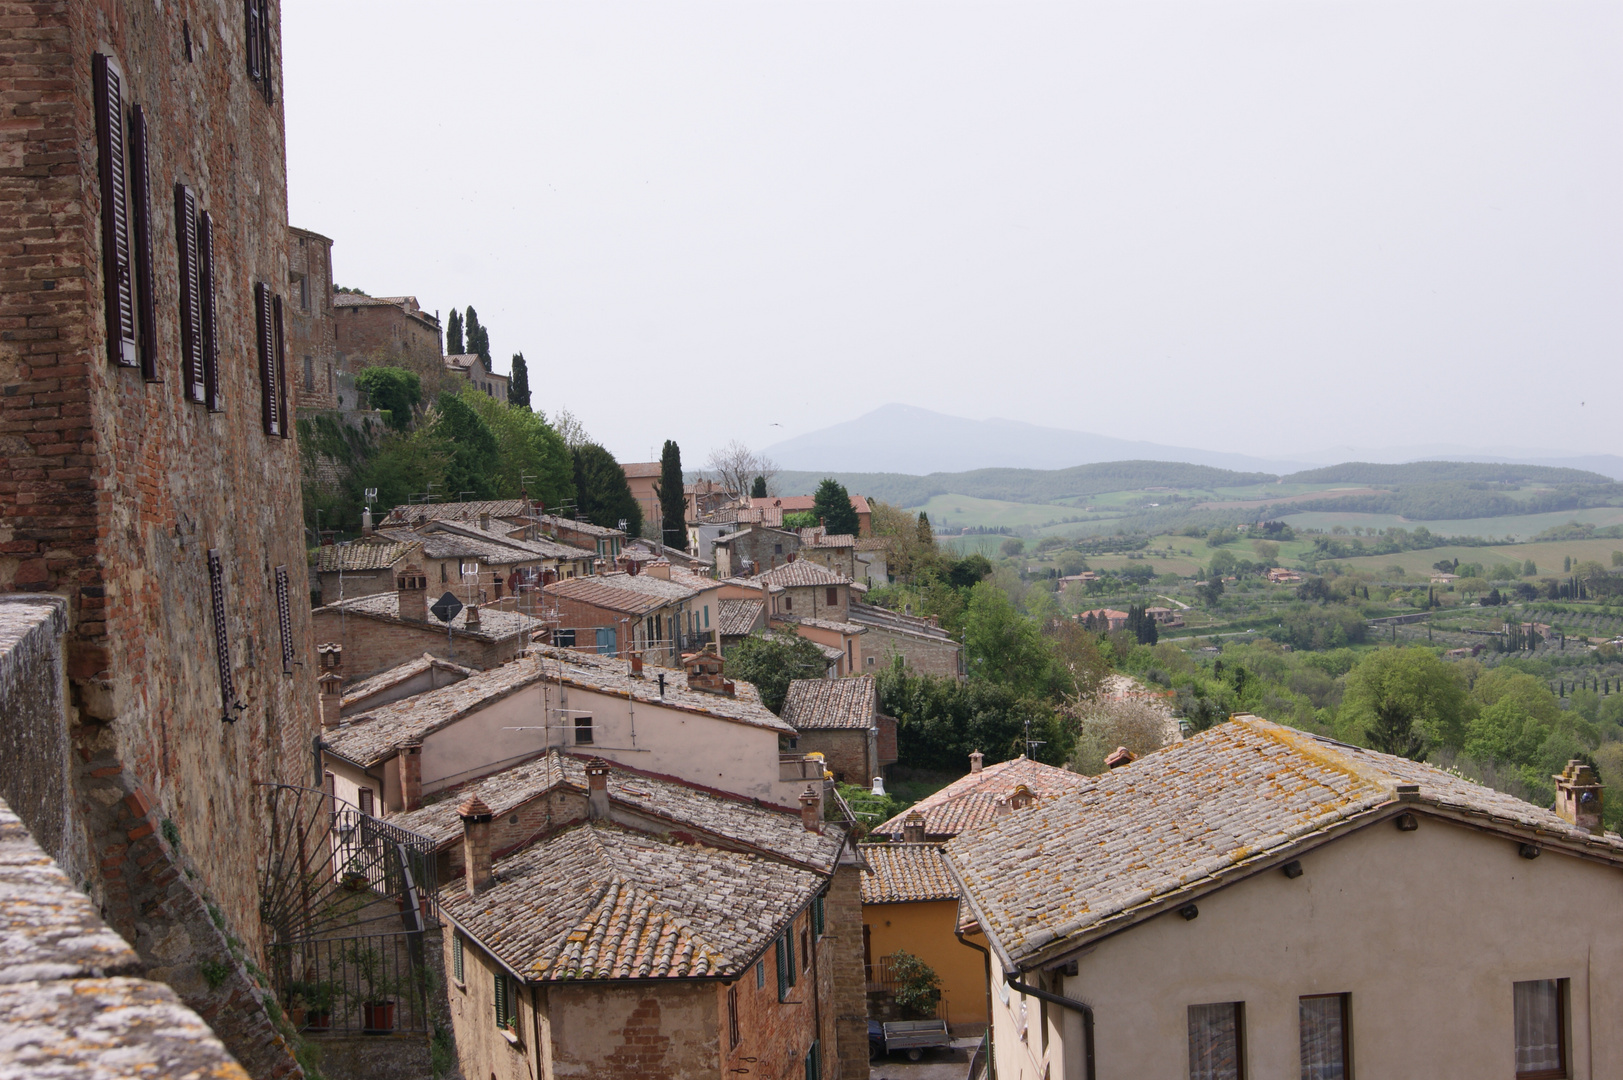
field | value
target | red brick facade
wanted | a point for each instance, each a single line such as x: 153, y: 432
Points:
x: 374, y: 645
x: 312, y: 348
x: 388, y: 330
x: 116, y: 487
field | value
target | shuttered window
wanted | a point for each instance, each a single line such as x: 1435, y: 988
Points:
x: 284, y: 619
x: 814, y: 1061
x: 256, y: 66
x: 257, y: 32
x: 211, y: 343
x: 506, y: 1007
x: 222, y: 639
x: 733, y: 1038
x: 279, y: 354
x: 141, y: 206
x: 456, y: 958
x: 786, y: 972
x: 264, y: 317
x: 115, y: 216
x: 817, y: 917
x: 191, y: 290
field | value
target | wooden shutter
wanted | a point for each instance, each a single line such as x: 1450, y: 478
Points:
x: 222, y: 640
x: 279, y: 338
x: 784, y: 969
x: 211, y: 342
x: 456, y: 957
x: 191, y: 299
x: 140, y: 196
x: 264, y: 318
x: 256, y: 70
x: 501, y: 999
x: 284, y: 619
x: 115, y: 215
x: 259, y: 24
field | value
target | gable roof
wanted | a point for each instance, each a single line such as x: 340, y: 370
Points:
x: 363, y: 555
x: 406, y: 513
x: 599, y: 901
x: 729, y: 819
x: 402, y: 672
x: 615, y: 592
x: 494, y: 623
x: 800, y: 574
x: 641, y: 469
x: 502, y: 546
x: 818, y: 538
x: 739, y: 618
x: 972, y: 800
x: 1238, y: 797
x: 829, y: 704
x: 905, y: 873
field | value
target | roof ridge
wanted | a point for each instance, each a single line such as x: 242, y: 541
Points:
x: 1312, y: 747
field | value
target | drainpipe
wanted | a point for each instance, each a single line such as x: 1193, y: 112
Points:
x: 1066, y: 1003
x: 958, y: 932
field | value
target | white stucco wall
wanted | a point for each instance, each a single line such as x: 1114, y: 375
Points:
x: 1426, y: 930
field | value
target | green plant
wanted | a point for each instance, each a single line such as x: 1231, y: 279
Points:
x: 375, y: 982
x: 214, y: 973
x: 918, y: 988
x: 442, y: 1052
x: 219, y: 919
x: 171, y: 833
x: 317, y: 997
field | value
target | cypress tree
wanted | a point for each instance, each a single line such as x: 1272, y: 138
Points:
x: 832, y: 505
x: 453, y: 334
x: 758, y: 489
x: 518, y: 383
x: 478, y: 338
x: 672, y: 502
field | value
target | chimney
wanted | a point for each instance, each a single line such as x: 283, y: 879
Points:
x: 1578, y: 797
x: 636, y: 664
x: 597, y: 789
x: 975, y: 760
x: 411, y: 776
x: 332, y: 698
x: 473, y: 617
x: 411, y: 588
x: 811, y: 810
x: 913, y: 828
x: 661, y: 570
x: 484, y: 520
x: 366, y: 521
x: 476, y: 843
x: 1119, y: 757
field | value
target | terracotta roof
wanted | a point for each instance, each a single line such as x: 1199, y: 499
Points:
x: 800, y: 573
x: 905, y: 873
x: 972, y: 800
x: 830, y: 653
x: 584, y: 527
x: 494, y: 624
x: 503, y: 546
x: 640, y: 469
x: 738, y: 618
x: 610, y: 593
x: 407, y: 513
x: 1235, y: 798
x: 871, y: 543
x: 817, y: 538
x: 798, y: 504
x: 400, y: 673
x: 894, y: 621
x: 362, y: 555
x: 826, y: 704
x: 599, y: 901
x: 727, y: 819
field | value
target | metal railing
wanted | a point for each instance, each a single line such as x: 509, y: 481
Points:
x: 370, y: 985
x: 384, y: 857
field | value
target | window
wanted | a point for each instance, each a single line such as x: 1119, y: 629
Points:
x: 707, y: 616
x: 265, y: 341
x: 1324, y: 1027
x: 118, y: 279
x: 788, y: 603
x: 1541, y: 1035
x: 814, y: 1061
x: 457, y: 971
x: 817, y: 917
x: 583, y: 731
x: 365, y: 798
x: 191, y: 294
x: 564, y: 639
x: 805, y: 947
x: 310, y: 373
x: 279, y: 344
x: 205, y: 292
x: 833, y: 597
x: 777, y: 549
x: 304, y: 293
x: 257, y: 35
x: 1217, y: 1041
x: 786, y: 964
x: 605, y: 640
x: 732, y: 1018
x: 141, y: 213
x: 506, y: 1007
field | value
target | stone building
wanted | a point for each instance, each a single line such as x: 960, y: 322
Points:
x: 840, y: 719
x: 832, y: 551
x: 921, y: 643
x: 152, y: 484
x: 312, y: 345
x: 642, y: 477
x: 753, y: 548
x: 371, y: 330
x: 805, y: 590
x: 363, y: 568
x: 471, y: 366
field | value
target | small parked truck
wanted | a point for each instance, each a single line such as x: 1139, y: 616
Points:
x: 916, y: 1036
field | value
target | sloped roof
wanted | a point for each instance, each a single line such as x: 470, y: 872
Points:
x: 494, y: 624
x: 895, y: 622
x: 738, y: 618
x: 830, y: 704
x: 640, y: 469
x: 362, y: 555
x: 800, y: 573
x: 1199, y: 812
x: 400, y: 673
x: 584, y: 527
x: 972, y: 800
x: 727, y: 818
x: 797, y: 504
x: 905, y: 873
x: 599, y: 901
x: 613, y: 594
x: 544, y: 547
x: 463, y: 511
x: 817, y: 538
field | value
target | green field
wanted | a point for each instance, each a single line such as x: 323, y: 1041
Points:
x: 1547, y: 556
x: 959, y: 511
x: 1514, y: 527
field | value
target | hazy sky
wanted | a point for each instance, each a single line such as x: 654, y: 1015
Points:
x: 1262, y: 227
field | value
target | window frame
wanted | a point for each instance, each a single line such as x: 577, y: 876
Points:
x: 734, y: 1037
x: 1562, y: 1016
x: 1345, y: 1000
x: 1237, y: 1011
x: 833, y: 597
x: 584, y: 723
x: 458, y: 961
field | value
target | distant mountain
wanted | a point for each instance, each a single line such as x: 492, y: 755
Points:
x: 1024, y: 485
x: 903, y: 439
x: 1446, y: 472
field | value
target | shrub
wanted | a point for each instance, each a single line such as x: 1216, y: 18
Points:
x: 918, y: 988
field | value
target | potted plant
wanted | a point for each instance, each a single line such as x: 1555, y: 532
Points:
x: 378, y: 988
x: 310, y: 1005
x: 354, y: 878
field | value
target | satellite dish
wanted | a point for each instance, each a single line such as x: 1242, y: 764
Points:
x: 446, y: 607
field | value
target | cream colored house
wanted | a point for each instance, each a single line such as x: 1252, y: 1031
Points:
x: 1259, y: 902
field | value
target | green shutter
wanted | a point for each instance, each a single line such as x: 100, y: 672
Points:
x: 789, y: 951
x: 501, y: 999
x: 817, y: 917
x: 814, y: 1061
x: 783, y: 971
x: 456, y: 959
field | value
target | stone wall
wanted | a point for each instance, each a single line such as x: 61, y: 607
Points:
x: 35, y: 773
x: 312, y: 349
x: 370, y: 334
x: 844, y: 751
x: 925, y: 655
x: 849, y: 999
x: 374, y: 645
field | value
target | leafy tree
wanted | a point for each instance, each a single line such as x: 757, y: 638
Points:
x: 832, y: 504
x: 1401, y: 699
x: 942, y: 719
x: 471, y: 471
x: 1001, y: 645
x: 518, y: 383
x: 926, y: 531
x: 1011, y: 547
x: 531, y: 458
x: 1314, y: 589
x: 772, y: 663
x: 453, y: 334
x: 918, y: 989
x: 478, y: 337
x: 673, y: 504
x: 1223, y: 564
x: 602, y: 495
x: 394, y: 390
x: 406, y: 465
x: 758, y: 488
x: 966, y: 572
x: 1211, y: 591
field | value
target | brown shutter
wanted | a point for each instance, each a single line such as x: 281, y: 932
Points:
x: 281, y: 369
x: 211, y: 344
x: 222, y: 639
x: 267, y: 82
x: 115, y: 237
x: 284, y: 619
x: 252, y: 38
x: 140, y: 196
x: 263, y: 321
x: 191, y: 300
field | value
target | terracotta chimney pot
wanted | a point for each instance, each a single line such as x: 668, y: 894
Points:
x: 811, y: 810
x: 597, y: 789
x: 476, y: 843
x: 975, y: 760
x: 913, y: 828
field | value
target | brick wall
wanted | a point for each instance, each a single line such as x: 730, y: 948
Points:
x: 374, y: 645
x: 848, y: 999
x: 845, y: 752
x: 312, y: 348
x: 372, y: 334
x: 926, y: 656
